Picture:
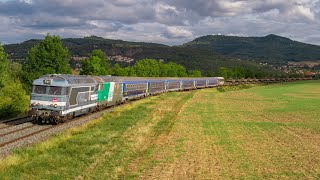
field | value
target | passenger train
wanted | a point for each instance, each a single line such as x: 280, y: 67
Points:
x: 57, y: 98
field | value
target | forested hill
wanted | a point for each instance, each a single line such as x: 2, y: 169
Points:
x: 82, y: 46
x: 192, y: 58
x: 271, y: 48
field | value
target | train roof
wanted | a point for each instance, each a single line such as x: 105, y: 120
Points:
x: 64, y: 80
x: 123, y: 78
x: 76, y: 80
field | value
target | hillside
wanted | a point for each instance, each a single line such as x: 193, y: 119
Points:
x: 82, y: 46
x: 272, y: 48
x: 192, y: 58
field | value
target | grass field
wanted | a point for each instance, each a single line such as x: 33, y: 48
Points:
x: 262, y: 132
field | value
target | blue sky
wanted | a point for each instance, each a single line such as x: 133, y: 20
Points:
x: 169, y: 22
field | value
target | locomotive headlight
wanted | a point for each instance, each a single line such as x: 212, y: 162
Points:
x: 55, y: 105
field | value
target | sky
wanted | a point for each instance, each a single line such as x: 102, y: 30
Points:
x: 170, y: 22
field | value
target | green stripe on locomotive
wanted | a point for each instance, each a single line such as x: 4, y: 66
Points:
x: 103, y: 94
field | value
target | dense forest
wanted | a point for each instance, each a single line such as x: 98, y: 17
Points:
x: 271, y: 49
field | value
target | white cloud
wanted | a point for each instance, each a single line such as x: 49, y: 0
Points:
x: 175, y: 32
x: 162, y: 21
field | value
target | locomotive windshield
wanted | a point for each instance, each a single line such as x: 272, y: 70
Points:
x: 55, y: 90
x: 50, y: 90
x: 39, y: 89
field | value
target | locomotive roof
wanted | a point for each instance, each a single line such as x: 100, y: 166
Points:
x: 78, y: 79
x: 65, y: 80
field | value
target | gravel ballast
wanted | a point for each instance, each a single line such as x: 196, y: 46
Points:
x: 24, y: 142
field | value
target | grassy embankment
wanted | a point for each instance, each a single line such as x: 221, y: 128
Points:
x: 262, y: 132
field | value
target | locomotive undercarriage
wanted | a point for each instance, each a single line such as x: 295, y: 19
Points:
x: 47, y: 116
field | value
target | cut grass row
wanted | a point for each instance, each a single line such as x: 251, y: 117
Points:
x: 261, y: 132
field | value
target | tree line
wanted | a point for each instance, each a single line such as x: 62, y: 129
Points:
x: 98, y: 64
x: 240, y: 72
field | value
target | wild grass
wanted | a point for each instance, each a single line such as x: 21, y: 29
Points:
x: 262, y: 132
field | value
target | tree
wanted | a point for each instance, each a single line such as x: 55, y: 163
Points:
x: 13, y: 97
x: 194, y: 73
x: 119, y: 71
x: 105, y: 62
x: 181, y: 70
x: 238, y: 72
x: 130, y: 71
x: 176, y: 70
x: 4, y: 63
x: 47, y: 57
x: 147, y: 68
x: 153, y: 68
x: 96, y: 64
x: 225, y: 72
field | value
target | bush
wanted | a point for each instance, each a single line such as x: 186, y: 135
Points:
x: 14, y: 100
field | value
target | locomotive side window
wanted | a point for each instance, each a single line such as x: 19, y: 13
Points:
x: 39, y: 89
x: 74, y: 93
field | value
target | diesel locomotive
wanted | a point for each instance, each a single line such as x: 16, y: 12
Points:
x: 56, y: 98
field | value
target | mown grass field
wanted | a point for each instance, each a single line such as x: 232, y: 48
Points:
x: 262, y: 132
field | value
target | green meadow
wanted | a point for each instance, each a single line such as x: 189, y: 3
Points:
x: 248, y: 133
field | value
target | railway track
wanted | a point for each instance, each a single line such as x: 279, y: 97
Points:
x: 13, y: 129
x: 21, y: 134
x: 27, y: 133
x: 14, y: 121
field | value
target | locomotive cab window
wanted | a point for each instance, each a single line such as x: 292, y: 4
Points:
x: 54, y: 90
x: 39, y: 89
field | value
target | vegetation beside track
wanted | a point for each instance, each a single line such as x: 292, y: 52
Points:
x: 237, y: 87
x: 262, y: 132
x: 13, y: 98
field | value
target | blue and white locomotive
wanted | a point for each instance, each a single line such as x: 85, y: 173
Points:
x: 56, y: 98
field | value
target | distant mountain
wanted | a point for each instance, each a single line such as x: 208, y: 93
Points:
x: 271, y: 48
x: 192, y: 58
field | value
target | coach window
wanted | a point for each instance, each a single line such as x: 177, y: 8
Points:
x: 39, y: 89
